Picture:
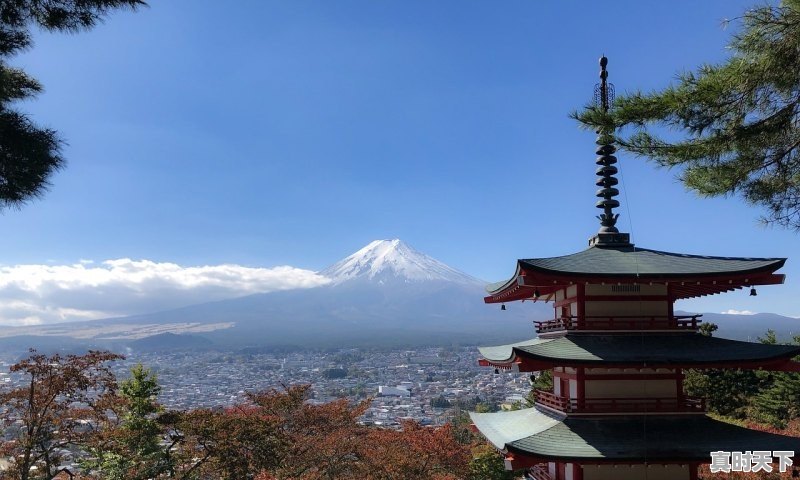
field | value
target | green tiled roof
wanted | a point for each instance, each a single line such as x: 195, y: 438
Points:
x: 691, y: 348
x: 504, y: 353
x: 633, y: 437
x: 511, y: 426
x: 622, y: 261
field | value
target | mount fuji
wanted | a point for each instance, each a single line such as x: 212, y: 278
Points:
x: 393, y: 261
x: 385, y: 294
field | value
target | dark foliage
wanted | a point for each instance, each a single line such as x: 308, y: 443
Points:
x: 29, y: 154
x: 740, y: 119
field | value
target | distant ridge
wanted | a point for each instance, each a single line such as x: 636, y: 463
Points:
x: 749, y: 327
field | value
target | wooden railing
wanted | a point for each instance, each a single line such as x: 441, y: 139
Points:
x: 539, y: 472
x: 634, y: 322
x: 620, y: 405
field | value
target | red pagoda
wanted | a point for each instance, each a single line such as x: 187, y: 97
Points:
x: 618, y: 354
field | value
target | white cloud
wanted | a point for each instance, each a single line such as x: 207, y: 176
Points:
x: 42, y: 294
x: 731, y: 311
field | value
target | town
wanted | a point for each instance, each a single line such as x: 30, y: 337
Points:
x: 403, y: 384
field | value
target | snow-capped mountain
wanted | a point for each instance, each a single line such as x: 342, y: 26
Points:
x: 386, y: 293
x: 384, y: 260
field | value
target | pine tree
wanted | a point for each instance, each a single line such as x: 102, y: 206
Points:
x: 740, y: 119
x: 29, y: 154
x: 131, y: 449
x: 779, y: 402
x: 727, y: 392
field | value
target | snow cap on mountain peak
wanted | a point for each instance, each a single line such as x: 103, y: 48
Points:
x: 393, y: 259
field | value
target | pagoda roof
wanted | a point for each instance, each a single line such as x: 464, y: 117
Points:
x: 631, y: 260
x: 545, y: 435
x: 636, y: 349
x: 628, y: 263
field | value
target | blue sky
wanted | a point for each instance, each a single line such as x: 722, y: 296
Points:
x: 264, y: 133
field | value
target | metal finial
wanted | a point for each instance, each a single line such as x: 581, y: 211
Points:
x: 603, y: 91
x: 606, y: 181
x: 606, y: 171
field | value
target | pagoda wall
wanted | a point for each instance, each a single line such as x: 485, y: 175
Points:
x: 631, y: 389
x: 616, y: 303
x: 658, y: 383
x: 626, y: 290
x: 564, y: 382
x: 612, y: 382
x: 625, y: 308
x: 625, y: 300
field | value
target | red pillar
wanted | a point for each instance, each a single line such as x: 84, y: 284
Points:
x: 577, y: 472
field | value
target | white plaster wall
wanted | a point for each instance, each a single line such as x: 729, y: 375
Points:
x: 573, y: 388
x: 636, y: 472
x: 594, y: 289
x: 559, y: 295
x: 572, y: 291
x: 631, y: 388
x: 644, y: 308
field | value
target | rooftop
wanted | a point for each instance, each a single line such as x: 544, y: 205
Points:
x: 687, y: 275
x: 547, y: 436
x: 676, y: 349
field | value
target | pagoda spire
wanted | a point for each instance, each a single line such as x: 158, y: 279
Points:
x: 608, y: 235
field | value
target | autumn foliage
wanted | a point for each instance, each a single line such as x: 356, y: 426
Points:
x: 53, y: 410
x: 72, y: 405
x: 792, y: 429
x: 278, y: 435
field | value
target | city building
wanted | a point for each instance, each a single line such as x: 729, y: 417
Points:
x: 398, y: 391
x: 618, y: 354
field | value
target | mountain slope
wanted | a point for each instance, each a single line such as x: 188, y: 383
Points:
x: 387, y: 293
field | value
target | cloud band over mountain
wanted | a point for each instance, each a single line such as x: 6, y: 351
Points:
x: 39, y: 294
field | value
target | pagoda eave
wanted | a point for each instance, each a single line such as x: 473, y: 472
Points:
x: 679, y: 350
x: 532, y: 436
x: 530, y: 365
x: 516, y: 459
x: 532, y: 286
x: 521, y: 460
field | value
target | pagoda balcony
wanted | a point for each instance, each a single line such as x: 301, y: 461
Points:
x: 620, y: 322
x: 539, y: 472
x: 620, y: 405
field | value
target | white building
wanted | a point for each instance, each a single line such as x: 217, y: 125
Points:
x: 398, y: 391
